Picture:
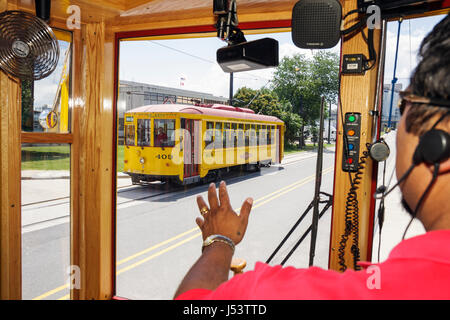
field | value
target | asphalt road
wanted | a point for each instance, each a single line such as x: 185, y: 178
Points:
x: 158, y: 240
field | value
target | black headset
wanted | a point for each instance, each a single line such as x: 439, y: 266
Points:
x: 433, y: 148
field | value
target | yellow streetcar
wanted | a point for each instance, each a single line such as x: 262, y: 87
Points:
x: 185, y: 144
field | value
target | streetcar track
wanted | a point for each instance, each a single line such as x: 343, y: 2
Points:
x: 68, y: 197
x: 137, y: 186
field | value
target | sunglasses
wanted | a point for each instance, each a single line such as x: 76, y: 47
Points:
x: 408, y: 97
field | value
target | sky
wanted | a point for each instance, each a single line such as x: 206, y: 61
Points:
x: 167, y: 62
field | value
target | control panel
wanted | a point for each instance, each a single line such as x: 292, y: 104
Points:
x: 352, y: 137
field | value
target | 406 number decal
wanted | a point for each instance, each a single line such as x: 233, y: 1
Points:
x: 164, y: 156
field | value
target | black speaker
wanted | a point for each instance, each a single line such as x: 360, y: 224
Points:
x: 316, y: 24
x: 43, y: 9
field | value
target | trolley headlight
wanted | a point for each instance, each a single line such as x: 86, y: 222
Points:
x: 142, y: 160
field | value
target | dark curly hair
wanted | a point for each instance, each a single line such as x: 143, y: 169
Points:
x: 431, y: 78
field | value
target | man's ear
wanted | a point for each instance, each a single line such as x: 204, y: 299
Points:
x: 445, y: 166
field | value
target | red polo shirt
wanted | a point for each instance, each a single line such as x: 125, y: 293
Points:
x: 417, y: 268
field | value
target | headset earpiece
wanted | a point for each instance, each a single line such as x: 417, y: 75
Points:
x: 433, y: 147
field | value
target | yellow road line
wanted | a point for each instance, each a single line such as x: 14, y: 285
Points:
x: 257, y: 203
x: 155, y: 246
x: 134, y: 265
x: 51, y: 292
x: 196, y: 228
x: 279, y: 194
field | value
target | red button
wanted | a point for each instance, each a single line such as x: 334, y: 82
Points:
x: 349, y: 160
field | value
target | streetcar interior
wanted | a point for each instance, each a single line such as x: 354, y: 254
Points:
x: 82, y: 216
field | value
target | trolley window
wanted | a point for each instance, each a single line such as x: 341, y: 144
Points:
x: 164, y: 132
x: 240, y: 135
x: 218, y: 143
x: 263, y: 136
x: 143, y: 132
x: 228, y: 141
x: 252, y: 135
x: 247, y: 135
x: 209, y: 134
x: 129, y: 135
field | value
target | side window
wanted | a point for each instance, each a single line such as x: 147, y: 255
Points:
x: 164, y: 132
x: 227, y: 135
x: 209, y: 134
x: 240, y: 135
x: 263, y: 136
x: 247, y: 135
x: 258, y: 130
x: 252, y: 135
x: 218, y: 140
x: 273, y: 132
x: 129, y: 135
x: 268, y: 136
x: 234, y: 134
x: 143, y: 132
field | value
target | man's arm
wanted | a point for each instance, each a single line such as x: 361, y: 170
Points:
x: 212, y: 268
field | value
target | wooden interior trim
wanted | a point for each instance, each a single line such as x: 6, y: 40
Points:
x: 92, y: 228
x: 44, y: 137
x: 10, y: 190
x: 361, y: 100
x: 202, y: 31
x: 77, y: 109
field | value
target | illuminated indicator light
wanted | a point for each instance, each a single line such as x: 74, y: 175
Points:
x: 351, y: 133
x: 351, y: 146
x: 352, y: 118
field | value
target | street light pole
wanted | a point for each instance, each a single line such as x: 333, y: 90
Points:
x: 394, y: 79
x: 329, y: 125
x: 231, y: 88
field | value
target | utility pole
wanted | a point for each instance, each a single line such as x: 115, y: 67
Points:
x: 394, y: 79
x: 329, y: 125
x: 231, y: 88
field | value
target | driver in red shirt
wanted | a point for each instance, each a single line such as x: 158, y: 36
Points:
x: 161, y: 137
x: 417, y: 268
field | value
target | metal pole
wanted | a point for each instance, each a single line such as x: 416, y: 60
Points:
x: 315, y: 217
x: 329, y: 125
x: 394, y: 79
x: 231, y: 88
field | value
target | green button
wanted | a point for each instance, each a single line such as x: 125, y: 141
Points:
x: 352, y: 118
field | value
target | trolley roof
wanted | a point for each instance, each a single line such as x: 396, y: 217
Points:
x: 216, y: 110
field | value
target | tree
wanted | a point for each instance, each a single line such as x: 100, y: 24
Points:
x: 303, y: 82
x: 265, y: 101
x: 262, y: 101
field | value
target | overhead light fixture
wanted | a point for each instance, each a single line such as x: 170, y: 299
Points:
x: 252, y: 55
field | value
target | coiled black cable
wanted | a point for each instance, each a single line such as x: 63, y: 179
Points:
x: 352, y: 217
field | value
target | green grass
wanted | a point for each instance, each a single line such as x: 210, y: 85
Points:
x: 46, y: 158
x: 120, y: 155
x: 55, y: 158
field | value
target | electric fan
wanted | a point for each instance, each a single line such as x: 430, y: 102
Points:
x: 29, y: 49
